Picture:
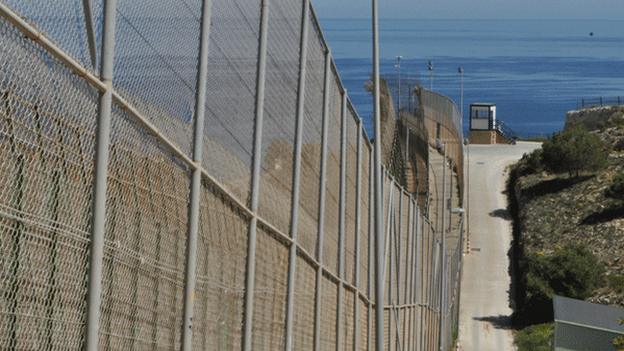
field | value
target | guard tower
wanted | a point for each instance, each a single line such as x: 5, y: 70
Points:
x: 482, y: 116
x: 484, y: 129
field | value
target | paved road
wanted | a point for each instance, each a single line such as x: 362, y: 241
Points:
x: 484, y: 309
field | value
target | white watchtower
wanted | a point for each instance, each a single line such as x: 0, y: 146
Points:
x: 482, y: 116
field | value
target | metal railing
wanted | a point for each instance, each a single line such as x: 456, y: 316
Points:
x: 192, y: 175
x: 506, y: 131
x: 600, y: 101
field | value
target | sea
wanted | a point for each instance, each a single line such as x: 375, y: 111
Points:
x: 533, y: 70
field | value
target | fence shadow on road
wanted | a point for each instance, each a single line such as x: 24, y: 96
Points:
x: 499, y: 322
x: 501, y: 213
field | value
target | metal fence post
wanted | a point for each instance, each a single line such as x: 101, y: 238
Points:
x: 341, y: 224
x: 292, y: 252
x: 90, y: 32
x: 255, y: 177
x: 421, y: 252
x: 379, y: 247
x: 407, y: 135
x: 397, y: 272
x: 371, y: 249
x: 322, y: 191
x: 96, y: 257
x: 195, y: 195
x: 409, y: 286
x: 358, y: 223
x: 387, y: 258
x: 443, y: 253
x: 417, y: 268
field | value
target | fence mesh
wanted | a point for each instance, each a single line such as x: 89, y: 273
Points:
x: 270, y: 293
x: 64, y: 23
x: 350, y: 196
x: 231, y: 93
x: 48, y: 125
x: 304, y: 309
x: 220, y: 292
x: 311, y: 149
x: 145, y: 242
x: 329, y: 315
x: 330, y: 250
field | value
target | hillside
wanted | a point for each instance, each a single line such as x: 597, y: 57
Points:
x: 552, y: 211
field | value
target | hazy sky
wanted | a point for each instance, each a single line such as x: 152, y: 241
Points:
x: 467, y: 9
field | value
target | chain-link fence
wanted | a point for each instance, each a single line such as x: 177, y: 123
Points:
x: 209, y: 188
x: 444, y: 127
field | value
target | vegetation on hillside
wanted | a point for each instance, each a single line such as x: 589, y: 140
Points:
x: 616, y: 190
x: 537, y: 337
x: 619, y: 341
x: 573, y: 151
x: 567, y: 200
x: 571, y: 271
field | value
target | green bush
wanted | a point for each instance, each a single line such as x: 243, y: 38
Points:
x: 616, y: 190
x: 571, y: 271
x: 573, y: 151
x: 616, y: 282
x: 535, y: 338
x: 532, y: 162
x: 619, y: 341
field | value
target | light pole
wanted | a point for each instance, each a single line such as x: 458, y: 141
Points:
x: 467, y: 143
x: 441, y: 320
x: 398, y: 67
x: 430, y: 67
x: 378, y: 232
x: 460, y: 70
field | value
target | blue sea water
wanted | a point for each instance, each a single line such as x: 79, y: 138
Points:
x: 534, y: 70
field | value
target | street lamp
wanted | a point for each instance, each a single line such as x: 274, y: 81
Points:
x: 430, y: 67
x: 378, y: 182
x: 398, y: 67
x: 460, y: 70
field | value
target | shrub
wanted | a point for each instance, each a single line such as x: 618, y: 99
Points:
x: 616, y: 282
x: 575, y: 272
x: 616, y: 190
x: 535, y: 338
x: 619, y: 341
x: 571, y: 271
x: 573, y: 151
x: 532, y: 162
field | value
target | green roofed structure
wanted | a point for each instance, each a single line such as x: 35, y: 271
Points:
x: 584, y: 326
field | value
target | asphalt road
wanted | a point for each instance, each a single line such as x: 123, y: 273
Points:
x: 484, y: 309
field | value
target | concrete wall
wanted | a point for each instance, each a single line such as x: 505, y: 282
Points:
x: 483, y: 137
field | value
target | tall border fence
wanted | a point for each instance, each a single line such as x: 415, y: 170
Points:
x: 192, y: 175
x: 444, y: 127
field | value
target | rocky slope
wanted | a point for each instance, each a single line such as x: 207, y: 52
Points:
x: 554, y: 210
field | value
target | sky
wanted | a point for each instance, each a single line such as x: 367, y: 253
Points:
x: 477, y: 9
